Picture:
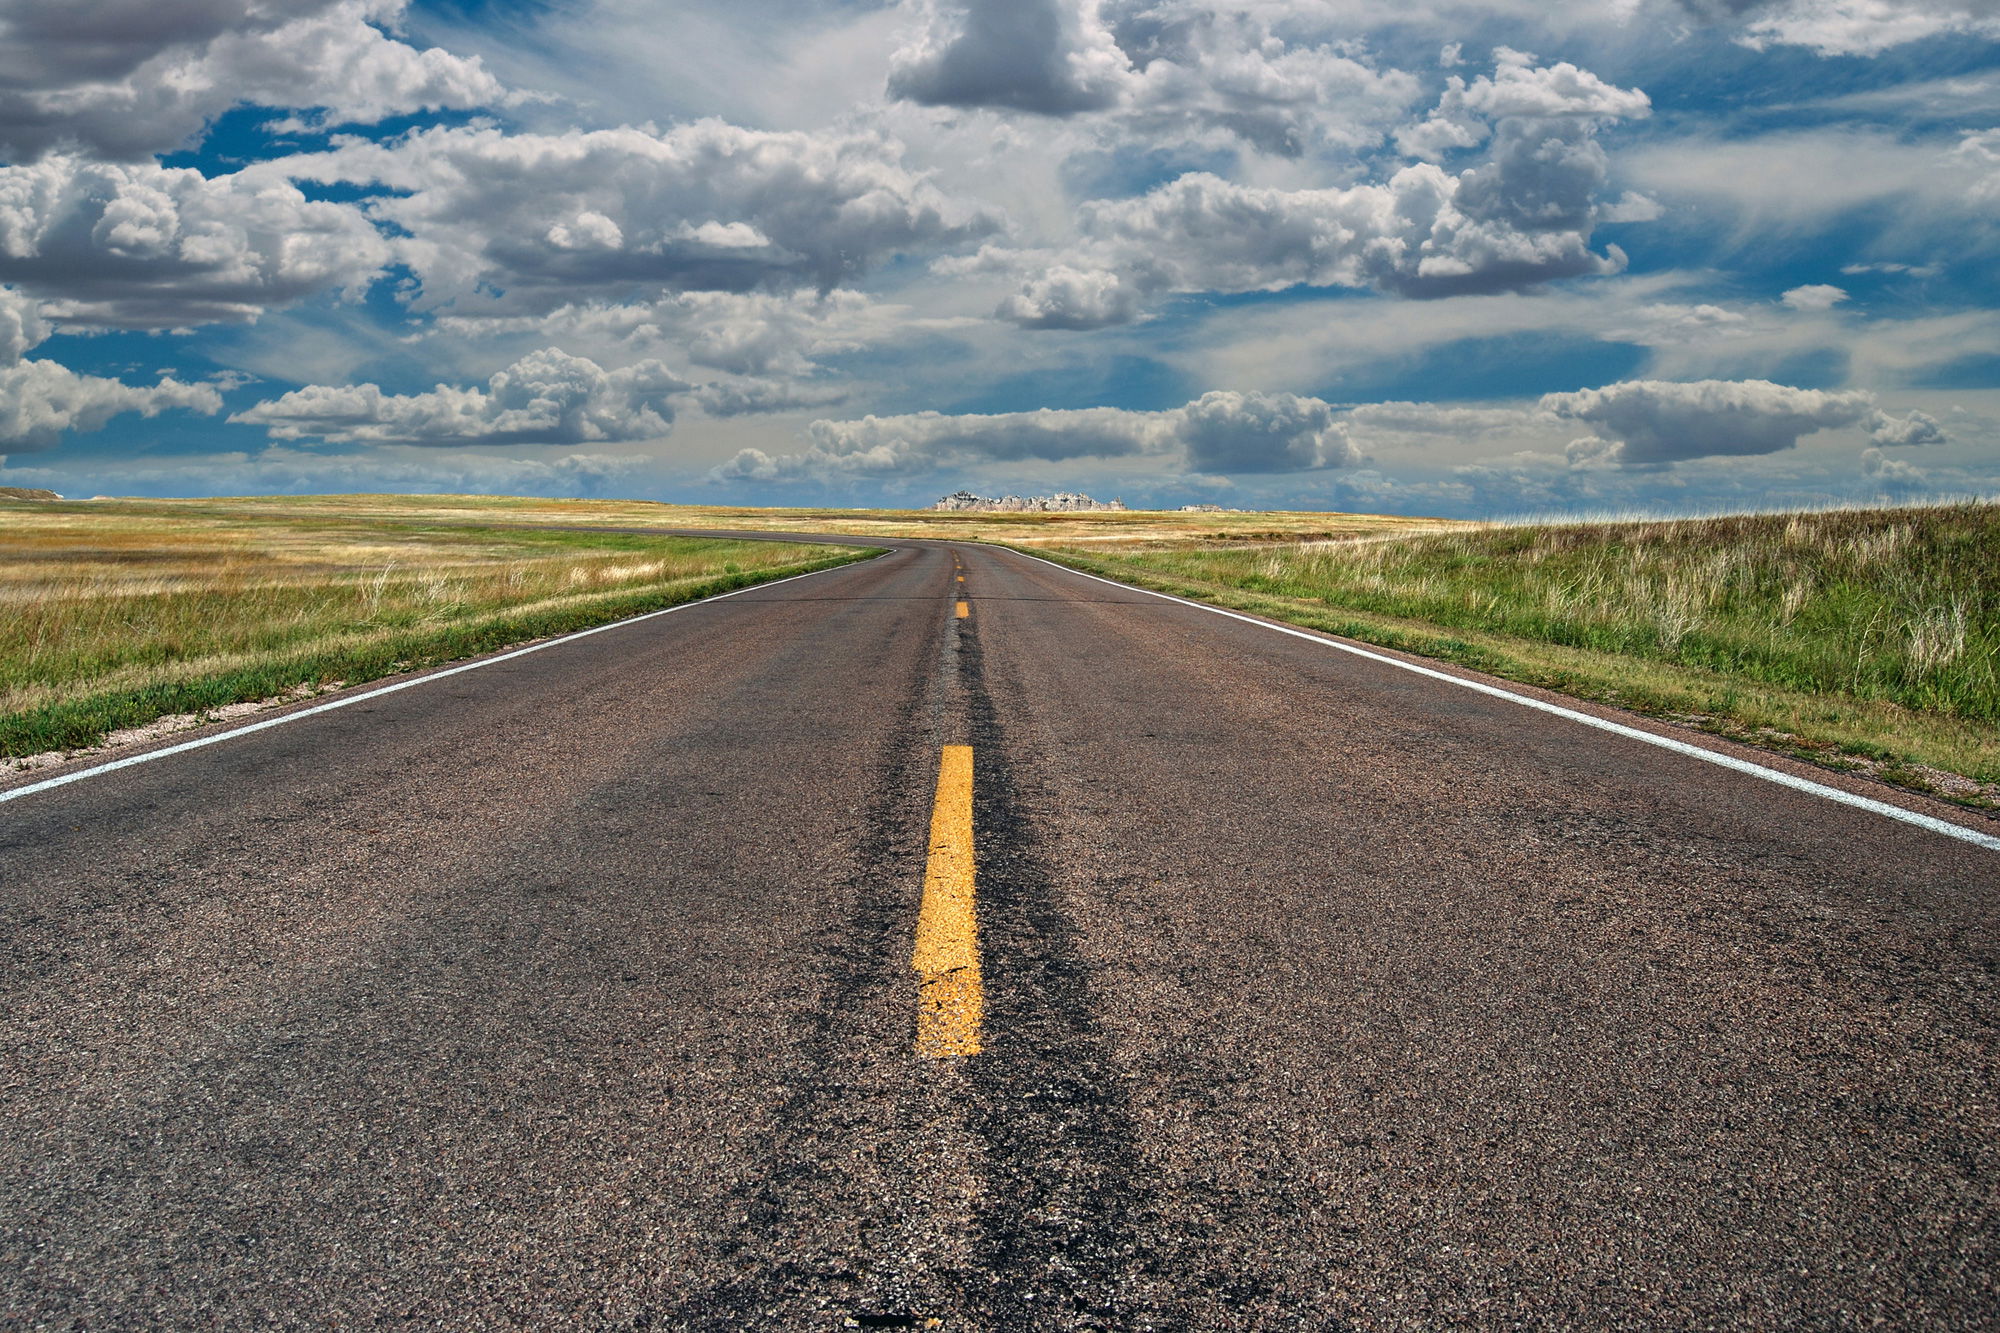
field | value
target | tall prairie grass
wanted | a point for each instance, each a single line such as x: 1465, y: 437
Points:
x: 1897, y: 608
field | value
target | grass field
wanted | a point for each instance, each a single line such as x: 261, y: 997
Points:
x: 1865, y: 638
x: 121, y: 614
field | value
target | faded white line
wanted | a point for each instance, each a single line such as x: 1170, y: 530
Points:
x: 217, y: 738
x: 1783, y: 779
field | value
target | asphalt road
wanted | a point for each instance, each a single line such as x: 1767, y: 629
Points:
x: 576, y: 992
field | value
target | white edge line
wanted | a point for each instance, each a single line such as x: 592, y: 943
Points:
x: 15, y: 793
x: 1778, y: 776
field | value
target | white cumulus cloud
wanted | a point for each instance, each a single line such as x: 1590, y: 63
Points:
x: 153, y: 247
x: 21, y: 326
x: 500, y: 223
x: 547, y: 397
x: 1814, y: 296
x: 1157, y: 75
x: 1891, y: 474
x: 41, y: 401
x: 1072, y: 298
x: 1885, y: 431
x: 1228, y: 432
x: 1055, y: 57
x: 1517, y: 89
x: 1523, y: 216
x: 123, y: 80
x: 1208, y: 75
x: 1653, y: 423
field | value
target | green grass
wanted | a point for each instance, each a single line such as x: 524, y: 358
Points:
x: 116, y: 619
x: 1873, y: 634
x: 1867, y: 638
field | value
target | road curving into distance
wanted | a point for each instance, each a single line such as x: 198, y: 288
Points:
x: 883, y: 949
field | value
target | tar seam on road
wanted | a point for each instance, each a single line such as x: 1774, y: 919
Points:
x: 1783, y: 779
x: 951, y: 1002
x: 424, y: 679
x: 963, y: 610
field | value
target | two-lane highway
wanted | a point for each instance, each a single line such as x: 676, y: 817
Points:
x: 629, y: 983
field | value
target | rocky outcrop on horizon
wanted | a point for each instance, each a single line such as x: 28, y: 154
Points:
x: 1062, y: 502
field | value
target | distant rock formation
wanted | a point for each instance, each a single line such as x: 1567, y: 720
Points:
x: 26, y: 493
x: 1062, y: 502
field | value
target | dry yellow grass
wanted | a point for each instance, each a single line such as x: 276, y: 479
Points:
x: 117, y: 614
x: 1110, y: 529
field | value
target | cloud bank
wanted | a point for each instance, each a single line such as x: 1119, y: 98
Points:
x: 1222, y: 431
x: 41, y: 401
x: 1654, y: 423
x: 499, y: 223
x: 1522, y: 217
x: 549, y: 397
x: 125, y: 79
x: 155, y: 247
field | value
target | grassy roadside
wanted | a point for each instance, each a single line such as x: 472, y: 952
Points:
x: 121, y: 619
x: 1861, y: 640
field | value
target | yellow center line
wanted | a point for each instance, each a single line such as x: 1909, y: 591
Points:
x: 963, y: 610
x: 961, y: 578
x: 951, y: 1001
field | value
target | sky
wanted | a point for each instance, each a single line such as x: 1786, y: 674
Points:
x: 1415, y: 257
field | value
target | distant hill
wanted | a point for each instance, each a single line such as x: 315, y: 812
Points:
x: 1062, y: 502
x: 26, y: 493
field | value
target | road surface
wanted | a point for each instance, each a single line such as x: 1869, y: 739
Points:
x: 578, y: 991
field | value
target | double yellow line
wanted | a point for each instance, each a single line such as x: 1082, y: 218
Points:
x: 951, y: 1002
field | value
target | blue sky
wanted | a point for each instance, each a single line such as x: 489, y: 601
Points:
x: 1421, y: 257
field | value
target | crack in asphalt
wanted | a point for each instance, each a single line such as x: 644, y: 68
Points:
x: 860, y: 959
x: 1052, y: 1229
x: 1060, y: 1229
